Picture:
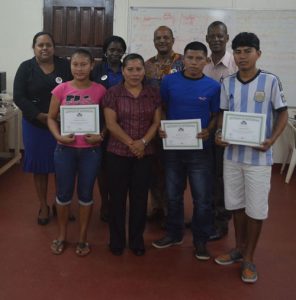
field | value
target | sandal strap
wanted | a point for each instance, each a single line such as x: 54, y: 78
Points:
x: 82, y: 249
x: 57, y: 246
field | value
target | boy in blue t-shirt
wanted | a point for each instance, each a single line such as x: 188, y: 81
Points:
x: 190, y: 95
x: 247, y: 170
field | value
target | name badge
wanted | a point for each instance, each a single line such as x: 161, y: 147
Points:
x: 58, y: 80
x: 259, y: 96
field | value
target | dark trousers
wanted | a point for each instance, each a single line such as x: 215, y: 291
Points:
x: 128, y: 176
x: 221, y: 216
x: 197, y: 166
x: 157, y: 188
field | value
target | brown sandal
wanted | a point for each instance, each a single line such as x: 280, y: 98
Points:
x: 82, y: 249
x: 57, y: 247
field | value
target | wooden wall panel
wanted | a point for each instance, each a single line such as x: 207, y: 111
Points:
x: 57, y: 25
x: 79, y: 23
x: 99, y: 26
x: 72, y: 26
x: 86, y: 28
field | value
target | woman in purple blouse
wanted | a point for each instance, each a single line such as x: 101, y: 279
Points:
x: 132, y: 112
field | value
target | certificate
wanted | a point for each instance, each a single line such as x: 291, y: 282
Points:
x: 243, y: 128
x: 181, y: 134
x: 79, y: 119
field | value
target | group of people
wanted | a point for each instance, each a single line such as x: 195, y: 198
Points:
x: 127, y: 156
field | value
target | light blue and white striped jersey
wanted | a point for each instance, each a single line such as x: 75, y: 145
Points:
x: 263, y: 94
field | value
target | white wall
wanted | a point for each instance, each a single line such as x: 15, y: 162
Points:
x: 19, y: 21
x: 16, y: 34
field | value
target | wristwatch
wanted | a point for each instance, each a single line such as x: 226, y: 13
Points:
x: 218, y: 131
x: 144, y: 142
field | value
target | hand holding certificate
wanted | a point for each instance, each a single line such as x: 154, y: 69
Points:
x: 79, y: 119
x: 181, y: 134
x: 243, y: 128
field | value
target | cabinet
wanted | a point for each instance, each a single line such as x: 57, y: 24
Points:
x: 11, y: 158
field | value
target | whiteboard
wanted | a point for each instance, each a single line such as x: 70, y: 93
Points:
x: 275, y: 29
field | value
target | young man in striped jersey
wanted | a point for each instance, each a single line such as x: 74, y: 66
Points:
x: 247, y: 170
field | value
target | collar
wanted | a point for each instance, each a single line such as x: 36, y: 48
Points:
x: 169, y: 59
x: 123, y: 90
x: 111, y: 71
x: 225, y: 60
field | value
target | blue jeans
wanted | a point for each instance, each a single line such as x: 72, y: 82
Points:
x: 197, y: 166
x: 70, y: 163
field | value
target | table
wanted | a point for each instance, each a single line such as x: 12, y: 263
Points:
x: 15, y: 156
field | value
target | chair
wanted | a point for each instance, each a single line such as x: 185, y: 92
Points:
x: 291, y: 135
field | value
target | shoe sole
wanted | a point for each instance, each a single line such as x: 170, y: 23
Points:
x: 202, y: 257
x: 249, y: 280
x: 226, y: 263
x: 168, y: 245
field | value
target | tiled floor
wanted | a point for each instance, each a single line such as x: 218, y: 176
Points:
x: 28, y: 270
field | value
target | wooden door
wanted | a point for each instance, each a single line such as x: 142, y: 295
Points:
x: 78, y: 23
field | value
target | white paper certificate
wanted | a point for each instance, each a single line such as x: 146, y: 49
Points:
x: 79, y: 119
x: 243, y: 128
x: 181, y: 134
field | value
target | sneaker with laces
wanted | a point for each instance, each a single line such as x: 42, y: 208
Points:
x: 249, y: 272
x: 201, y: 252
x: 229, y: 258
x: 166, y: 242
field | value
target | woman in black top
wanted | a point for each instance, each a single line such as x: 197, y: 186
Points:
x: 33, y: 83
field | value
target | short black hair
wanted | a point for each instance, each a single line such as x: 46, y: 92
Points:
x: 84, y: 52
x: 246, y: 39
x: 40, y: 34
x: 216, y: 24
x: 196, y: 46
x: 132, y: 56
x: 116, y: 39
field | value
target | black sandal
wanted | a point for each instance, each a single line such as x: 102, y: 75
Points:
x: 43, y: 221
x: 82, y: 249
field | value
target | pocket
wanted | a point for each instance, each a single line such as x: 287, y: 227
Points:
x: 60, y: 148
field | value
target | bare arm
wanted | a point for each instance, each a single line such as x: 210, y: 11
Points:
x: 138, y: 146
x: 154, y: 126
x: 218, y: 135
x: 114, y: 128
x: 205, y: 133
x: 53, y: 124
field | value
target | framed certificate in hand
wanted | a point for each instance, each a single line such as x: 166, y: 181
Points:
x: 181, y: 134
x: 243, y: 128
x: 80, y: 119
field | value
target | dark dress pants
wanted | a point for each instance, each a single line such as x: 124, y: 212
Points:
x: 128, y: 176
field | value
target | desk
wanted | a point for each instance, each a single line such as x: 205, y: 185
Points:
x: 12, y: 157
